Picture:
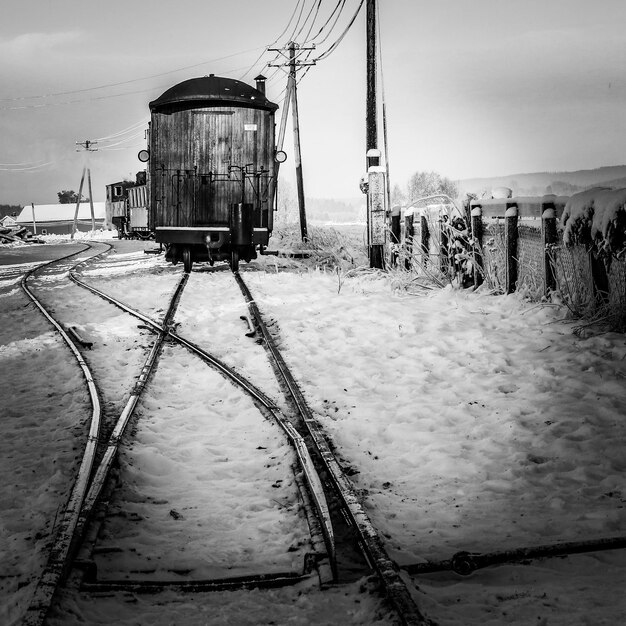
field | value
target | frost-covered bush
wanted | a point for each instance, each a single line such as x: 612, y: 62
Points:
x: 596, y: 218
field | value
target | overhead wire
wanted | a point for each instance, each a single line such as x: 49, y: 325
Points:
x: 319, y: 2
x: 126, y: 82
x: 26, y: 169
x: 266, y: 48
x: 131, y: 128
x: 118, y: 143
x: 307, y: 52
x: 292, y: 36
x: 23, y: 163
x: 336, y: 43
x: 79, y: 100
x: 340, y: 3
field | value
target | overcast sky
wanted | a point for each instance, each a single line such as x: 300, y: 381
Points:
x: 472, y: 87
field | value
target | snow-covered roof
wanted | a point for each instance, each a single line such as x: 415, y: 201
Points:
x: 60, y: 212
x: 7, y: 220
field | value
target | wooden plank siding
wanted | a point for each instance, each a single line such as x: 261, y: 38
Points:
x: 191, y: 151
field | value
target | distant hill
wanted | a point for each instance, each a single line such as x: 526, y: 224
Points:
x: 540, y: 183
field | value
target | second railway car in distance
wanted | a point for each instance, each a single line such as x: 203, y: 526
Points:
x: 212, y: 170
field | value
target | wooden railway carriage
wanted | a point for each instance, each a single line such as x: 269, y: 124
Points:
x: 211, y: 172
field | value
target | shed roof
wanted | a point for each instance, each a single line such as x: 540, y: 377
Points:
x: 60, y: 212
x: 212, y: 90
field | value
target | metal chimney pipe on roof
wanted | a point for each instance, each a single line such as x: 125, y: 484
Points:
x: 260, y: 83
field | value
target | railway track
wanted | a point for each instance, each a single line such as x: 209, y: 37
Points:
x: 336, y: 519
x: 341, y: 502
x: 95, y: 469
x: 349, y: 515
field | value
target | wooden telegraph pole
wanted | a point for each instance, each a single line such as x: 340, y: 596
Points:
x: 87, y: 147
x: 296, y: 140
x: 371, y: 117
x: 291, y: 98
x: 376, y: 182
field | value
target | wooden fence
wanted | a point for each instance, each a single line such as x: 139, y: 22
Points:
x: 516, y: 245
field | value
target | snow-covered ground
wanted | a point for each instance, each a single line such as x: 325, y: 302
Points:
x: 468, y: 422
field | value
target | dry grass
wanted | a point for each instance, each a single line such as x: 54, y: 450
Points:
x: 327, y: 247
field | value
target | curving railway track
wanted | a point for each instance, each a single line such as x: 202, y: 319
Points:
x: 336, y: 519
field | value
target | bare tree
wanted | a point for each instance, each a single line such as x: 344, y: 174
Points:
x: 397, y: 196
x: 429, y: 184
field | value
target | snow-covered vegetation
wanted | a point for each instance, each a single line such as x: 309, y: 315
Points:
x: 597, y: 218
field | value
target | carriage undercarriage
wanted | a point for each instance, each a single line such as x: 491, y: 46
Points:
x: 208, y: 244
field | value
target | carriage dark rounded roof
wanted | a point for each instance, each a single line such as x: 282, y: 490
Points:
x: 212, y: 91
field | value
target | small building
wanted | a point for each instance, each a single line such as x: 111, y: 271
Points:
x: 8, y: 221
x: 58, y: 219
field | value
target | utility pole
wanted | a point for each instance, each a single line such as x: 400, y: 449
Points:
x: 296, y: 140
x: 86, y: 145
x: 371, y: 113
x: 291, y: 97
x: 375, y: 219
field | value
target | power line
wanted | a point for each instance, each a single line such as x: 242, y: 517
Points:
x: 79, y: 100
x: 26, y: 169
x: 266, y: 48
x: 128, y: 82
x: 340, y: 3
x: 297, y: 35
x: 291, y: 37
x: 133, y: 127
x: 119, y: 143
x: 334, y: 46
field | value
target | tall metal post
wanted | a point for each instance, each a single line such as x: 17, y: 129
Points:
x: 296, y: 139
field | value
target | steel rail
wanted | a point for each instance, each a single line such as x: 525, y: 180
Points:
x: 260, y: 581
x: 300, y: 447
x: 56, y: 565
x: 372, y: 545
x: 101, y: 473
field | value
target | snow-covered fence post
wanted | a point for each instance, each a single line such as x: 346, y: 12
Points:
x: 444, y: 224
x: 409, y: 232
x: 477, y: 246
x: 548, y: 238
x: 510, y: 239
x: 424, y: 237
x: 396, y: 232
